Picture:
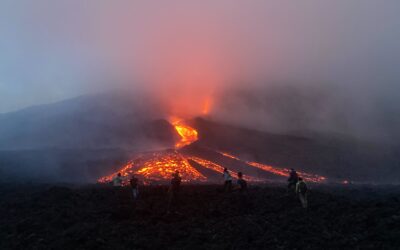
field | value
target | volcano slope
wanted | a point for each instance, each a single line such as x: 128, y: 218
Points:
x: 338, y: 157
x: 263, y: 157
x: 100, y: 217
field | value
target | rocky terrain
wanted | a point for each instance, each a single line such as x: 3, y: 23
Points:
x: 39, y: 216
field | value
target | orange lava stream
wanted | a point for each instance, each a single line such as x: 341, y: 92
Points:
x: 229, y: 155
x: 158, y: 167
x: 161, y: 165
x: 278, y: 171
x: 218, y: 168
x: 126, y: 171
x: 285, y: 172
x: 206, y: 106
x: 164, y: 165
x: 188, y: 134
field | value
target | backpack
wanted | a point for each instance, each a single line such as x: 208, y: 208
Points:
x: 302, y: 187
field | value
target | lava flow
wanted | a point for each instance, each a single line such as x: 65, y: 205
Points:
x: 285, y: 172
x: 188, y: 134
x: 158, y: 167
x: 163, y: 165
x: 277, y: 171
x: 220, y: 169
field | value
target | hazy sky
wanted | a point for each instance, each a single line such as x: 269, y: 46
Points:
x: 185, y: 50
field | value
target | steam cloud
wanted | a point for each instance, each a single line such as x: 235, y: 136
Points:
x: 273, y: 65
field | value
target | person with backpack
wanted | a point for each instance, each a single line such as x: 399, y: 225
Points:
x: 227, y: 180
x: 174, y: 191
x: 293, y: 179
x: 301, y: 190
x: 135, y: 187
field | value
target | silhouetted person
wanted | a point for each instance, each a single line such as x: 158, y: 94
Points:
x: 242, y: 183
x: 173, y: 191
x: 135, y: 187
x: 227, y: 180
x: 117, y: 181
x: 244, y: 201
x: 301, y: 191
x: 293, y: 179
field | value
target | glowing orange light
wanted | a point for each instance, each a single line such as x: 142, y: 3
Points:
x: 188, y: 134
x: 206, y: 106
x: 277, y: 171
x: 229, y: 156
x: 220, y: 169
x: 285, y: 172
x: 158, y: 167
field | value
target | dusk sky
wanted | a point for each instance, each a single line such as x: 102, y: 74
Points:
x: 54, y: 50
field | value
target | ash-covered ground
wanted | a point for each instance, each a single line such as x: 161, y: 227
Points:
x: 37, y: 216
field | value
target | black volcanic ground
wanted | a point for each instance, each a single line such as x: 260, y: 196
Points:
x: 99, y: 217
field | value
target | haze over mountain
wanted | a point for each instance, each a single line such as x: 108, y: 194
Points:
x: 88, y: 122
x: 340, y: 57
x: 84, y: 138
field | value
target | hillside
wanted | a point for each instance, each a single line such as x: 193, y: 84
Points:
x: 88, y: 137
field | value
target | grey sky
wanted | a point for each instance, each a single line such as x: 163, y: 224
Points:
x: 52, y: 50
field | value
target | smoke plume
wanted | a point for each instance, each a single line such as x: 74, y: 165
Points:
x: 278, y: 65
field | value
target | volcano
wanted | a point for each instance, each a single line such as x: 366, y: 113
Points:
x: 88, y: 138
x: 198, y: 163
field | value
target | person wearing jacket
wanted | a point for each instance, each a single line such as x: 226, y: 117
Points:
x: 301, y: 191
x: 227, y: 180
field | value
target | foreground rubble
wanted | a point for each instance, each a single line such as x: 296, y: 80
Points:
x: 99, y: 217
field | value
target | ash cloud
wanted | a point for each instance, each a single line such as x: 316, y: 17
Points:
x: 276, y: 66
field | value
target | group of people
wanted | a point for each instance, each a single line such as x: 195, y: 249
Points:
x: 242, y: 184
x: 296, y: 184
x: 134, y: 183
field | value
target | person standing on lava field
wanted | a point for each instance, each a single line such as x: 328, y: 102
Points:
x: 135, y: 187
x: 244, y: 202
x: 293, y: 179
x: 174, y: 191
x: 301, y: 190
x: 117, y: 181
x: 227, y: 180
x: 242, y: 183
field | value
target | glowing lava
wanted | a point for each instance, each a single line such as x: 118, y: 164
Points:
x: 162, y: 166
x: 220, y: 169
x: 206, y: 106
x: 158, y: 167
x: 285, y: 172
x: 125, y: 171
x: 277, y: 171
x: 188, y: 134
